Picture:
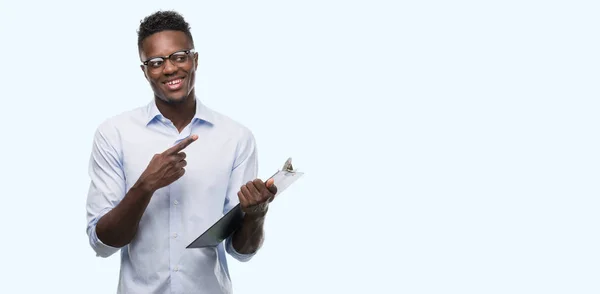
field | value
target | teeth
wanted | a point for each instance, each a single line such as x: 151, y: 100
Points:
x: 174, y: 82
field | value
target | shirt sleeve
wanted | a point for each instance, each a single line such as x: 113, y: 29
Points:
x: 245, y: 169
x: 107, y: 186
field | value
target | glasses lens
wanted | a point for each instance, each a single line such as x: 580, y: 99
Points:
x: 155, y: 63
x: 179, y: 57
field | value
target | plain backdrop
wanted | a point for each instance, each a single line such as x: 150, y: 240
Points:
x: 449, y: 146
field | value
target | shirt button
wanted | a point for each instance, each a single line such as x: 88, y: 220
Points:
x: 175, y: 202
x: 176, y: 268
x: 174, y: 235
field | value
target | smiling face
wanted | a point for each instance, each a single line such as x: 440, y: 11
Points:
x: 172, y: 79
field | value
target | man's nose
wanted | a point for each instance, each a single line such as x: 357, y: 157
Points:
x: 169, y: 67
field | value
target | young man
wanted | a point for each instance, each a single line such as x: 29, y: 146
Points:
x: 163, y: 173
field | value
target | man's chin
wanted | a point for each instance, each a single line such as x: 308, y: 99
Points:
x: 177, y: 100
x: 173, y: 99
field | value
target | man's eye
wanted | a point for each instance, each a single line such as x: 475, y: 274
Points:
x: 155, y: 63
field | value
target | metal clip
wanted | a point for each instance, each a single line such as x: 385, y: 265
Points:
x: 287, y: 166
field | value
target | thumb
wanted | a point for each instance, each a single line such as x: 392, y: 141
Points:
x: 271, y: 186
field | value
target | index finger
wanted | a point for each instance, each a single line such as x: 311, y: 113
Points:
x: 181, y: 145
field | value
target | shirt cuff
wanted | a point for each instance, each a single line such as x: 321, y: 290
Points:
x: 102, y: 250
x: 238, y: 256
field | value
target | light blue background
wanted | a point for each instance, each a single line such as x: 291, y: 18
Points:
x: 449, y: 146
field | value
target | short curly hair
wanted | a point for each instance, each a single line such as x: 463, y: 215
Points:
x: 161, y: 21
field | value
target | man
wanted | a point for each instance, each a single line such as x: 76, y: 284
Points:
x: 163, y: 173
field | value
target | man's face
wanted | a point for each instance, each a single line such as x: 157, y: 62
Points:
x: 172, y: 80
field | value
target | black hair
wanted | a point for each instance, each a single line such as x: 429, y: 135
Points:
x: 162, y: 21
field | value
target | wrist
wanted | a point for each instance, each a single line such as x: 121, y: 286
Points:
x: 255, y: 217
x: 143, y: 187
x: 256, y: 212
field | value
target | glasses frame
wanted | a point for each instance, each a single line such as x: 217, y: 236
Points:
x: 165, y: 58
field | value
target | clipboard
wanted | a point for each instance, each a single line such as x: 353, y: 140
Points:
x: 232, y: 220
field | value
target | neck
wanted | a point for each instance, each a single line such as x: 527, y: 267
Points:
x: 180, y: 114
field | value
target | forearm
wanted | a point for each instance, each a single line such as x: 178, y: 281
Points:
x: 118, y: 227
x: 250, y: 236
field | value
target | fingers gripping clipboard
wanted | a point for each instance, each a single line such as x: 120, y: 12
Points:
x: 232, y: 220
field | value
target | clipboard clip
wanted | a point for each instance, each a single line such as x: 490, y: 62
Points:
x: 287, y: 166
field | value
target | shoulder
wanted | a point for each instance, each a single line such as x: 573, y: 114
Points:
x: 111, y: 128
x: 240, y: 137
x: 227, y: 125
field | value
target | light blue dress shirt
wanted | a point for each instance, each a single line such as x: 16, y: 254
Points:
x: 220, y: 161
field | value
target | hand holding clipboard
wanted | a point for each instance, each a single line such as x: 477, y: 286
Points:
x: 231, y: 221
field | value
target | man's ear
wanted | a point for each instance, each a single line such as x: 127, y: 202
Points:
x: 143, y: 70
x: 195, y: 60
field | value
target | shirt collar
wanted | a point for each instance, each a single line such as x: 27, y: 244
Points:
x: 202, y: 112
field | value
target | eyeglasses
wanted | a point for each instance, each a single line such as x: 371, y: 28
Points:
x: 177, y: 58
